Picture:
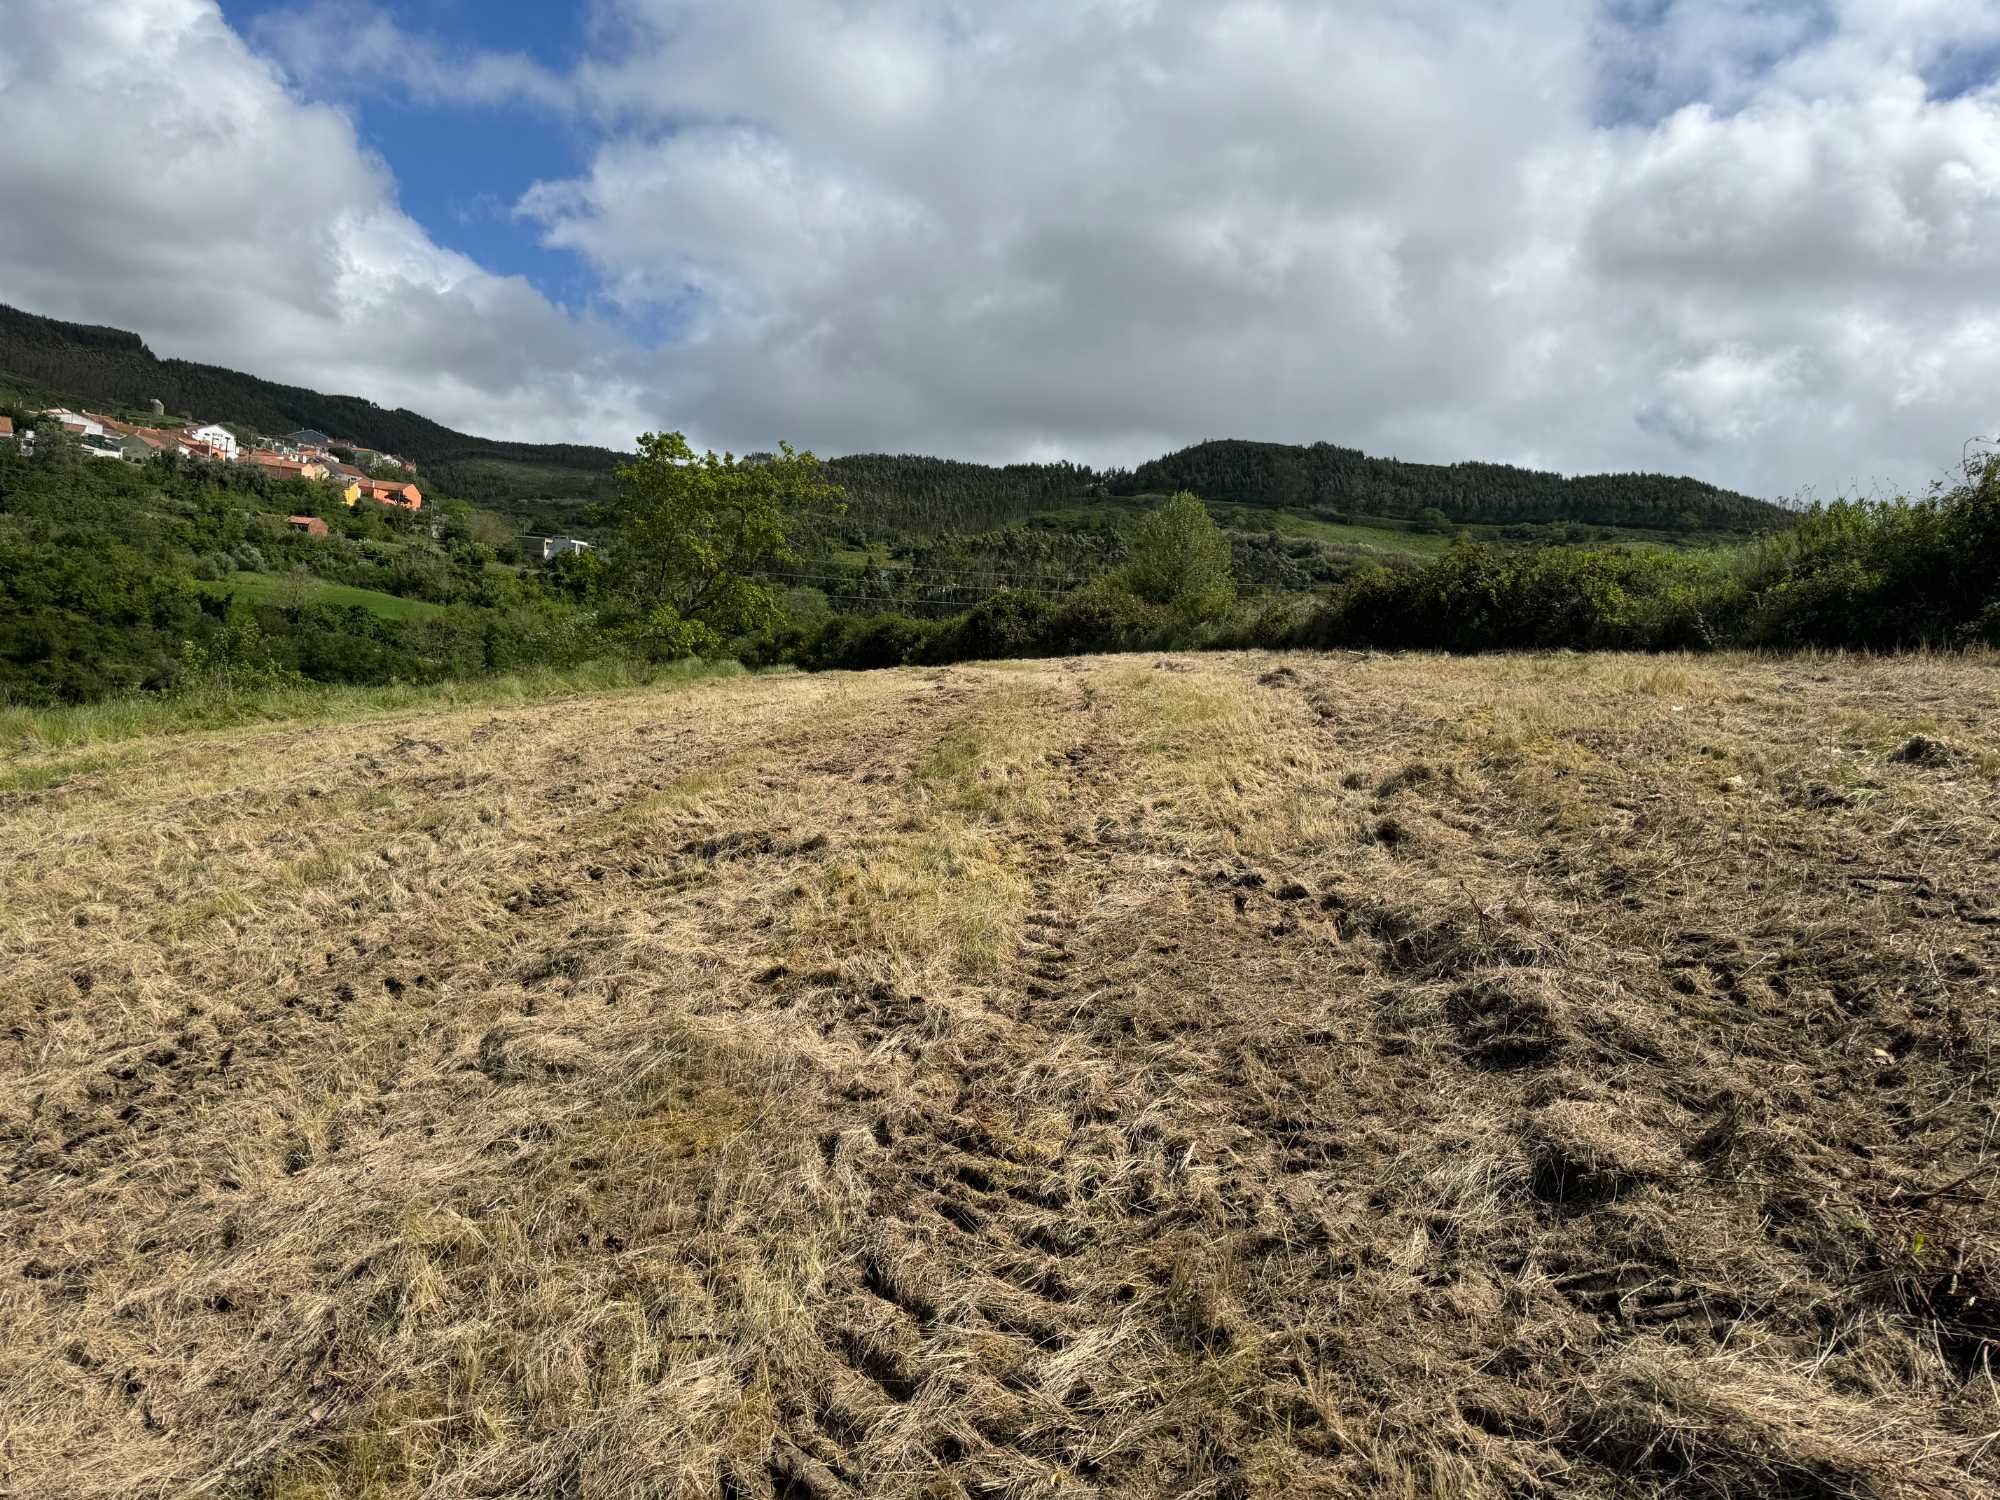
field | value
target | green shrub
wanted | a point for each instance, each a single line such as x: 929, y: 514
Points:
x: 1883, y: 574
x: 1103, y: 615
x: 1009, y: 624
x: 862, y: 642
x: 1178, y: 558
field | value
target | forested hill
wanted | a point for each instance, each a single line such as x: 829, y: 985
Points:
x: 888, y: 495
x: 74, y: 361
x: 1346, y: 479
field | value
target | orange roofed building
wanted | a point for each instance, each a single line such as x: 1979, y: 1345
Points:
x: 310, y: 525
x: 404, y: 496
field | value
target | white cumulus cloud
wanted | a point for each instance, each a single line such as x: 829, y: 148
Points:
x: 159, y: 176
x: 1756, y: 243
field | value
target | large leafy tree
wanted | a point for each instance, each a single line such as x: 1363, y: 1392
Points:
x: 694, y: 531
x: 1178, y: 558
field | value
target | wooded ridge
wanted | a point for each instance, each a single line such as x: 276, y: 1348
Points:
x: 887, y: 494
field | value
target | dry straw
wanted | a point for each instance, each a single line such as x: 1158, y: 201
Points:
x: 1217, y: 1076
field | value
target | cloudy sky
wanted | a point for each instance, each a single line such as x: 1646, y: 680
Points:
x: 1757, y: 242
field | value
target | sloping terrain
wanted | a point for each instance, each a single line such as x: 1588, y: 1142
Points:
x: 51, y: 359
x: 1229, y: 1076
x: 888, y: 495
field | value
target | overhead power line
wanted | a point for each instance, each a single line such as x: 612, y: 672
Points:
x: 853, y: 587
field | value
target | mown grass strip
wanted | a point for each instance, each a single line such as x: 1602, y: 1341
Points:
x: 27, y: 730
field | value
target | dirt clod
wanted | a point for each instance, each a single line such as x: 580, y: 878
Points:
x: 1921, y: 750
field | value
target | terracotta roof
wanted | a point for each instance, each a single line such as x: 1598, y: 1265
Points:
x: 6, y: 426
x: 119, y: 428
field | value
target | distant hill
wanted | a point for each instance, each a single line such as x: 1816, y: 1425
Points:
x: 911, y: 493
x: 892, y: 493
x: 1321, y: 475
x: 888, y: 494
x: 76, y: 361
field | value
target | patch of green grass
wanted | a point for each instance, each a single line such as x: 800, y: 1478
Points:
x: 267, y: 588
x: 682, y: 794
x: 861, y: 557
x: 1383, y: 537
x: 1117, y: 509
x: 1368, y: 535
x: 181, y: 918
x: 368, y: 1465
x: 946, y: 900
x: 50, y: 773
x: 28, y: 730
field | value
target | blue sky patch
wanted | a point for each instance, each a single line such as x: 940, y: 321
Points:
x: 461, y: 167
x: 1958, y: 71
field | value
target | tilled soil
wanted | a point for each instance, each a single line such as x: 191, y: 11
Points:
x: 1198, y: 1075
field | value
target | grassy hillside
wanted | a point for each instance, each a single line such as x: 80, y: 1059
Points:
x: 297, y: 592
x: 1244, y: 1076
x: 118, y: 577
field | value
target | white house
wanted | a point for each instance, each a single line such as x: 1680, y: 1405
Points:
x: 78, y: 424
x: 557, y: 546
x: 218, y: 437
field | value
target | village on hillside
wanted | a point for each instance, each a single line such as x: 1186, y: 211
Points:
x: 348, y: 469
x: 356, y: 471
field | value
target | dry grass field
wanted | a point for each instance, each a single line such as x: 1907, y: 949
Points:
x: 1207, y: 1076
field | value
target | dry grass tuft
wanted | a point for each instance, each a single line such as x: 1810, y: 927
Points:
x: 1721, y: 1426
x: 1223, y: 1076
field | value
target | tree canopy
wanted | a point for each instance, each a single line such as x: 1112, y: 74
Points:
x: 1345, y: 479
x: 1178, y: 558
x: 694, y: 530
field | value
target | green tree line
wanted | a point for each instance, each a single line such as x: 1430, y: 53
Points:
x: 1323, y: 476
x: 117, y: 578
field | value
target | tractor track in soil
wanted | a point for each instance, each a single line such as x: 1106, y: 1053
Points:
x: 1200, y: 1076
